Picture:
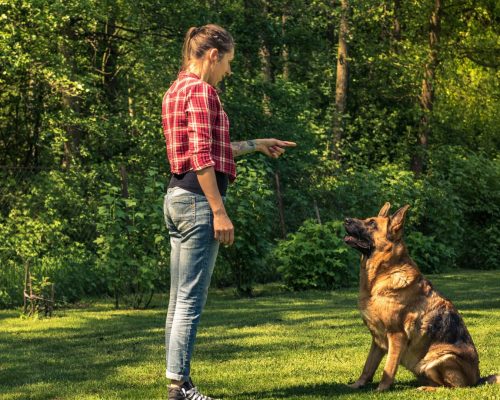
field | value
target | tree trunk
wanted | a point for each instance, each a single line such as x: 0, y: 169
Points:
x: 284, y: 52
x: 427, y: 96
x: 396, y: 27
x: 268, y: 72
x: 130, y: 99
x: 280, y: 205
x: 36, y: 98
x: 26, y: 283
x: 109, y: 63
x: 69, y: 100
x: 124, y: 181
x: 316, y: 209
x: 32, y: 302
x: 341, y: 83
x: 265, y: 59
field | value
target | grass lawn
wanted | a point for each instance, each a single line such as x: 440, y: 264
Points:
x: 277, y: 345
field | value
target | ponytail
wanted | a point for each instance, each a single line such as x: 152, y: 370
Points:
x: 200, y: 39
x: 186, y: 47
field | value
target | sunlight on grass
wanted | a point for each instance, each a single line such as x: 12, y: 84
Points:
x: 277, y: 345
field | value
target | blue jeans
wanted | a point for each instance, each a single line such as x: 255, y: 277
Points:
x: 192, y: 258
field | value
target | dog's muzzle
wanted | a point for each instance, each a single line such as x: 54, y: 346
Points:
x: 356, y: 236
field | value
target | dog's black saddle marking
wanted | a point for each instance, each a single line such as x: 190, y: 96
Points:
x: 447, y: 327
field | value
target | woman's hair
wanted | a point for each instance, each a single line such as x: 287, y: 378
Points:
x: 199, y: 40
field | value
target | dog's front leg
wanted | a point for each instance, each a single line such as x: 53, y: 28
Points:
x: 397, y: 345
x: 372, y: 362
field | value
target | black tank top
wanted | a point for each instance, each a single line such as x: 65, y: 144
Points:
x: 189, y: 181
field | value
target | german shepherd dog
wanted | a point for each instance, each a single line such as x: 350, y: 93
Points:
x: 407, y: 318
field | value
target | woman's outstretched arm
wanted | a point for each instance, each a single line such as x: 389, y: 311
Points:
x: 270, y: 147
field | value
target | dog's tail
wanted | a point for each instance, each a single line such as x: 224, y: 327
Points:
x: 489, y: 380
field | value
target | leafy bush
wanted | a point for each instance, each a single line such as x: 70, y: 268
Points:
x: 360, y: 192
x: 473, y: 182
x: 316, y: 257
x: 434, y: 207
x: 41, y: 242
x: 44, y: 226
x: 430, y: 255
x: 132, y: 241
x: 250, y: 207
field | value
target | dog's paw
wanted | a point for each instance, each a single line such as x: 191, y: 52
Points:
x: 427, y: 388
x: 383, y: 387
x: 358, y: 384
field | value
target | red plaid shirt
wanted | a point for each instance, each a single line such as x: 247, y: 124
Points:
x: 196, y: 128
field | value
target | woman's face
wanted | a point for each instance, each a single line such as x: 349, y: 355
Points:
x: 221, y: 68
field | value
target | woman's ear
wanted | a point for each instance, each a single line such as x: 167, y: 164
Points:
x: 213, y: 55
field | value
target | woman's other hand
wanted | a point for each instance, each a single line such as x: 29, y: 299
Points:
x: 223, y: 228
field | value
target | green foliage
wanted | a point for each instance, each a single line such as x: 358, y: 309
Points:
x: 44, y: 245
x: 316, y: 257
x: 473, y: 184
x: 431, y: 256
x: 360, y: 192
x: 80, y: 93
x: 132, y: 242
x: 249, y: 206
x: 46, y: 230
x: 433, y: 223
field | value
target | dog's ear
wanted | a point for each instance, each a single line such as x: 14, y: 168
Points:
x: 397, y: 221
x: 384, y: 211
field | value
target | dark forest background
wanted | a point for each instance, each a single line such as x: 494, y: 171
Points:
x: 388, y: 101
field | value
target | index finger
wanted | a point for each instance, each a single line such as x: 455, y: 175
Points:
x: 286, y: 143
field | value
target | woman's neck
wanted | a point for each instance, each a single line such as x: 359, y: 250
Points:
x: 200, y: 68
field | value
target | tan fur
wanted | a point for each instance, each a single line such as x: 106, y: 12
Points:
x: 403, y: 313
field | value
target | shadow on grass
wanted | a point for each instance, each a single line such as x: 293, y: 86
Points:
x: 4, y: 314
x: 326, y: 390
x: 469, y: 290
x: 91, y: 350
x: 95, y: 344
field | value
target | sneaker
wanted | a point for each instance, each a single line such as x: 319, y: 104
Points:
x: 186, y: 392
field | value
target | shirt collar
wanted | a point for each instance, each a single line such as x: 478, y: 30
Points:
x: 183, y: 74
x: 186, y: 74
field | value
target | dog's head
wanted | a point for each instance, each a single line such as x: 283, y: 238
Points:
x: 376, y: 233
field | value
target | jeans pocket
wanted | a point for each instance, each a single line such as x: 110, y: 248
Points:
x: 181, y: 212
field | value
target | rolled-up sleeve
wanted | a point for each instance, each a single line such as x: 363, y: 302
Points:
x: 202, y: 106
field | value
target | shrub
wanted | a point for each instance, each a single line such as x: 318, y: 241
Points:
x: 430, y: 255
x: 435, y: 210
x: 47, y: 222
x: 250, y: 208
x: 316, y: 257
x: 359, y: 193
x: 41, y: 242
x: 473, y: 185
x: 132, y: 240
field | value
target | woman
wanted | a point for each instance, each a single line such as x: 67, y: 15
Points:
x: 201, y: 159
